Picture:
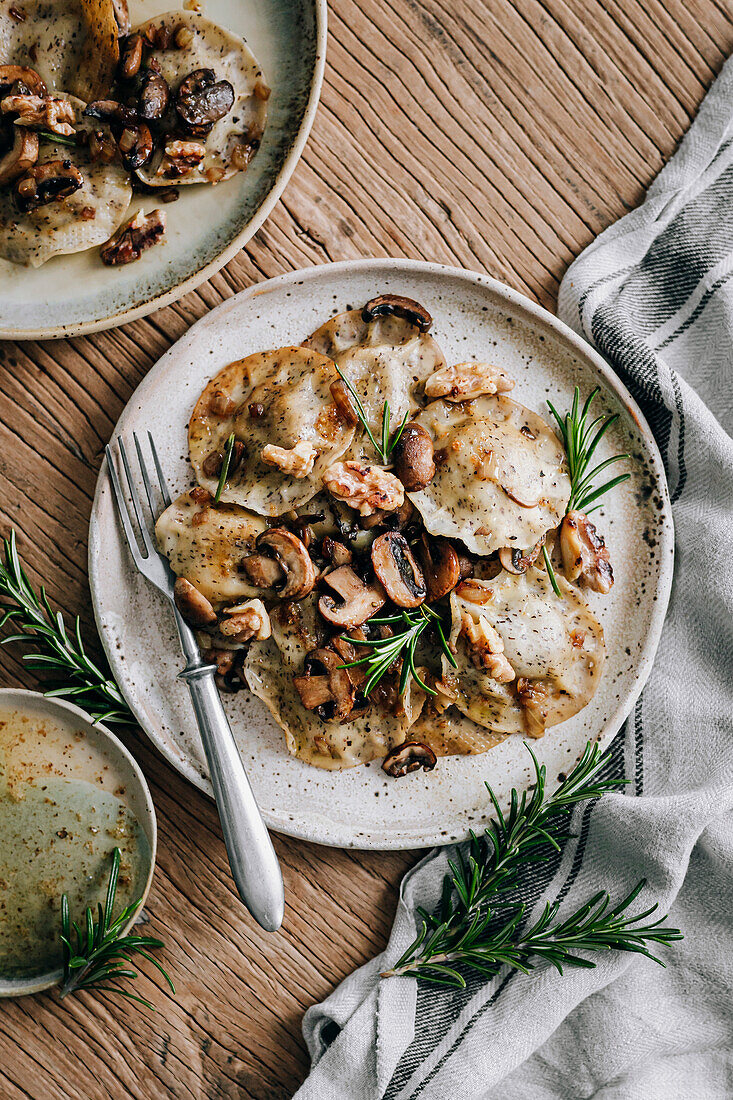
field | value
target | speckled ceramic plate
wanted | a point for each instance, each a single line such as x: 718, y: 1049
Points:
x: 361, y: 807
x: 207, y: 225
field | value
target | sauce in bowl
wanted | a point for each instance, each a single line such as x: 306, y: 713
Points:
x: 65, y: 805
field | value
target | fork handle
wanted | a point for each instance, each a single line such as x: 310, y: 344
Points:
x: 252, y: 858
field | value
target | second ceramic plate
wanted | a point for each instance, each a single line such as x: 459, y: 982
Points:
x: 475, y: 317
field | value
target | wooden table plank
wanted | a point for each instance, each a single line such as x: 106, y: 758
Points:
x: 499, y: 135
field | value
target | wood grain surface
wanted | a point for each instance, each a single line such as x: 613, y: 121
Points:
x: 501, y: 135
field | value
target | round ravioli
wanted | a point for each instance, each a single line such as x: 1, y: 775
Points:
x: 269, y: 669
x: 86, y: 218
x: 501, y: 477
x: 205, y: 543
x: 554, y: 645
x: 276, y: 402
x: 234, y: 139
x: 453, y: 733
x: 385, y: 359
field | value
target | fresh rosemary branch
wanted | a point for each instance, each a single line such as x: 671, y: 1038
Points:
x: 55, y: 650
x: 463, y: 931
x: 385, y: 447
x: 93, y: 955
x: 580, y: 439
x: 407, y: 627
x: 224, y: 472
x: 60, y: 139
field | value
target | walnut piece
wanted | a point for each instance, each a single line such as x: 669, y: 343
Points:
x: 45, y: 112
x: 368, y: 489
x: 180, y: 158
x: 246, y: 621
x: 485, y: 647
x: 532, y: 696
x: 585, y: 556
x: 298, y: 461
x: 129, y: 242
x: 465, y: 381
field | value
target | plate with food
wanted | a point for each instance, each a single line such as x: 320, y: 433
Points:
x: 140, y: 149
x: 417, y: 522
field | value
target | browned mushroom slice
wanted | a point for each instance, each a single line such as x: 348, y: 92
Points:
x: 109, y: 110
x: 262, y: 571
x: 14, y: 74
x: 585, y: 556
x: 136, y: 146
x: 343, y: 401
x: 441, y: 566
x: 413, y: 458
x: 514, y: 561
x: 397, y: 569
x: 358, y: 601
x: 292, y: 555
x: 202, y: 100
x: 154, y: 96
x: 192, y: 604
x: 48, y: 182
x: 395, y: 305
x: 131, y: 56
x: 325, y: 686
x: 409, y: 757
x: 336, y: 552
x: 21, y: 156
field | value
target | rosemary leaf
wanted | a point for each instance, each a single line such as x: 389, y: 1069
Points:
x: 224, y: 472
x: 466, y: 931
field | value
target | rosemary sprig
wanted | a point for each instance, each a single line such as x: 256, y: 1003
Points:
x: 385, y: 447
x: 580, y: 439
x: 224, y: 472
x: 56, y: 651
x: 93, y: 955
x: 407, y: 627
x: 60, y: 139
x: 463, y: 931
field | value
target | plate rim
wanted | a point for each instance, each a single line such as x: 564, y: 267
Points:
x: 273, y: 196
x: 513, y: 298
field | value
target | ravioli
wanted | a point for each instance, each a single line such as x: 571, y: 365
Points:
x: 386, y: 359
x: 208, y: 553
x: 501, y: 477
x: 274, y: 398
x: 229, y: 58
x: 453, y: 733
x: 269, y: 669
x: 88, y: 217
x: 556, y: 640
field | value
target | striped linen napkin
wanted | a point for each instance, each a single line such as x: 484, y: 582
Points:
x: 654, y: 293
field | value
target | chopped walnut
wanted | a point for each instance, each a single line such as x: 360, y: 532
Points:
x: 485, y: 647
x: 180, y: 158
x: 298, y: 461
x: 532, y: 696
x: 45, y: 112
x: 246, y: 621
x: 129, y: 242
x: 465, y: 381
x: 365, y: 488
x: 585, y: 556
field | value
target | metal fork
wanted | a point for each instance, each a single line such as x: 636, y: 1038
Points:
x: 252, y: 858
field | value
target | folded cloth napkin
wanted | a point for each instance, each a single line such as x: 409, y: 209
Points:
x: 655, y: 295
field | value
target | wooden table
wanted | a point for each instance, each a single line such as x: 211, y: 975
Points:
x: 501, y: 135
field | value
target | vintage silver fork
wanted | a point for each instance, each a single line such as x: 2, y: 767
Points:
x: 252, y: 858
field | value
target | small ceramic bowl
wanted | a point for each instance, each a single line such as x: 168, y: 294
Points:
x: 126, y: 772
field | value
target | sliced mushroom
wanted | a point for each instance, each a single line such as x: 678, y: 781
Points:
x: 109, y: 110
x: 336, y: 552
x: 136, y: 146
x: 22, y: 155
x: 202, y: 100
x: 413, y: 458
x: 585, y: 556
x: 441, y: 566
x: 154, y: 96
x: 343, y: 402
x: 262, y: 572
x: 514, y: 561
x: 409, y: 757
x: 11, y: 74
x: 397, y: 569
x: 325, y: 685
x: 388, y: 305
x: 131, y: 56
x: 291, y: 554
x: 48, y: 182
x: 358, y: 600
x: 192, y: 604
